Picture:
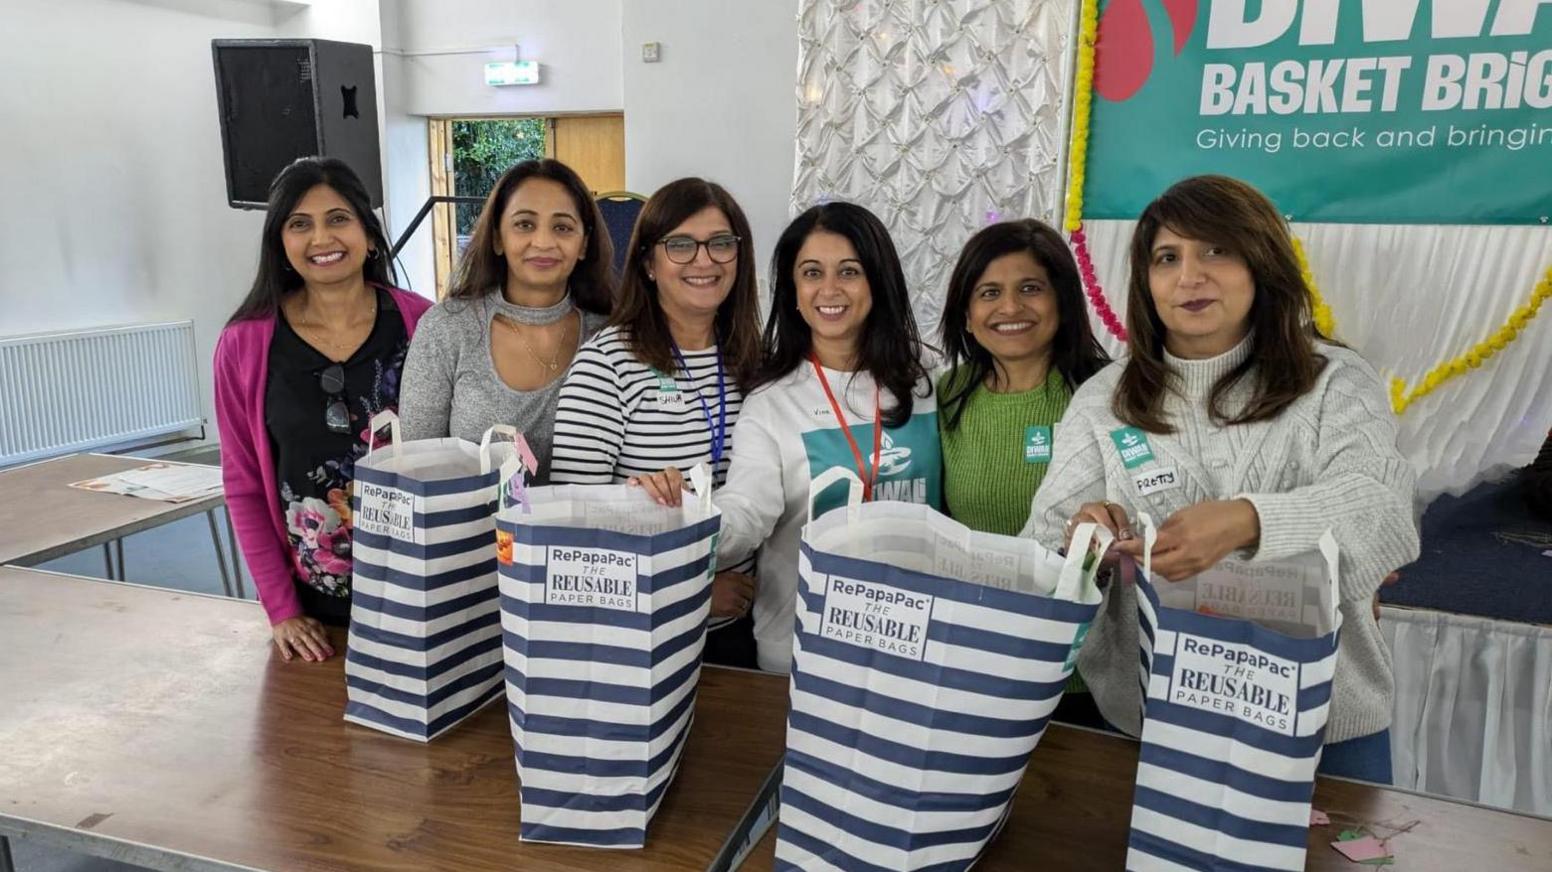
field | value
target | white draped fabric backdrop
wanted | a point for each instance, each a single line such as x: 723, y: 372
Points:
x: 943, y: 116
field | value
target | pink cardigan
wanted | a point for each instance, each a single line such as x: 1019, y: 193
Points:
x: 247, y: 469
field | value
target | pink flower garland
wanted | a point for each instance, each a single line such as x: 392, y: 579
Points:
x: 1096, y: 294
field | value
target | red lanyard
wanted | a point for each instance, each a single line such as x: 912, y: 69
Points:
x: 878, y: 431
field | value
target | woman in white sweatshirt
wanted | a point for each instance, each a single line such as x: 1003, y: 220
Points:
x: 842, y: 384
x: 1241, y: 429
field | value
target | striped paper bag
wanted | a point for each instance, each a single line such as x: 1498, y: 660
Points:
x: 424, y: 649
x: 604, y: 600
x: 1237, y: 666
x: 927, y: 662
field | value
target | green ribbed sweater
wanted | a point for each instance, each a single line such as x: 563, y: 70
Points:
x: 987, y: 484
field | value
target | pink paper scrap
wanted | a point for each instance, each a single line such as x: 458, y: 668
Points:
x: 530, y: 462
x: 1318, y: 818
x: 1359, y: 850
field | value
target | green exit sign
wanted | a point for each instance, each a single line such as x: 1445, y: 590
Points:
x: 512, y: 73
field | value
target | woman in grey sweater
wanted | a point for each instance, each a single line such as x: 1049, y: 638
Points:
x: 1256, y: 435
x: 533, y: 285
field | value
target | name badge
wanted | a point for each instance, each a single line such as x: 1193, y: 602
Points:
x: 668, y: 394
x: 1132, y: 444
x: 1151, y: 481
x: 1037, y: 444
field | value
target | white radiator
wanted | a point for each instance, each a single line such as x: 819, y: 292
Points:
x: 85, y: 389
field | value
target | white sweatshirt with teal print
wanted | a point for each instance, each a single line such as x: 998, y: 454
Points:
x: 787, y: 435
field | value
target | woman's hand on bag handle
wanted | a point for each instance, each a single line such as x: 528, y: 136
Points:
x: 732, y: 593
x: 666, y: 488
x: 1195, y: 538
x: 1108, y: 515
x: 302, y: 637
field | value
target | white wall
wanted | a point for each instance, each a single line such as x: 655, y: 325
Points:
x: 116, y: 201
x: 720, y: 104
x: 433, y: 63
x: 446, y: 44
x: 406, y: 152
x: 115, y: 197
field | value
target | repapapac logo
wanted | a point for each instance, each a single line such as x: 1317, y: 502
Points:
x: 1125, y: 57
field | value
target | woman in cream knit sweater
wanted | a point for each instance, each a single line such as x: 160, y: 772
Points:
x: 1239, y: 428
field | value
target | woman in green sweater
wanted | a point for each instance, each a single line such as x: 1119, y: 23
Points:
x: 1017, y: 341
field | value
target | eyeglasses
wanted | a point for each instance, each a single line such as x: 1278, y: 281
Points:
x: 336, y: 415
x: 682, y: 249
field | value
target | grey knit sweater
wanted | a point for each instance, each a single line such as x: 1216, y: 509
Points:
x: 1328, y: 461
x: 450, y: 386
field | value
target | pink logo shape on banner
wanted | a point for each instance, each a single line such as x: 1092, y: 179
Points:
x: 1124, y: 53
x: 1182, y: 15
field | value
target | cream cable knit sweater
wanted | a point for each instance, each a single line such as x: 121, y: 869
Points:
x: 1328, y: 461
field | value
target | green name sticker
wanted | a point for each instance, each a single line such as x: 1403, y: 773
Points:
x: 666, y: 383
x: 1132, y: 443
x: 1037, y: 444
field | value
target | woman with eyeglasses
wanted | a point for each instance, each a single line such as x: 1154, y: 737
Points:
x: 534, y: 283
x: 662, y: 385
x: 312, y: 353
x: 842, y: 383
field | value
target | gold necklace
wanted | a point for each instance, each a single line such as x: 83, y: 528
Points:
x: 322, y: 338
x: 553, y: 364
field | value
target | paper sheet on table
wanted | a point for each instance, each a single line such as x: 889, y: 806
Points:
x: 168, y: 482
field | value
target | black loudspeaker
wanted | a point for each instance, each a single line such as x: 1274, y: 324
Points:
x: 281, y: 99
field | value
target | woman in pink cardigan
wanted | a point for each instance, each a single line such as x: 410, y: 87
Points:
x: 310, y: 356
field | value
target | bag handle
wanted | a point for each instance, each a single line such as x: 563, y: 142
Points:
x: 829, y: 477
x: 506, y: 430
x: 700, y: 479
x: 1074, y: 581
x: 386, y: 418
x: 1331, y: 552
x: 1150, y: 534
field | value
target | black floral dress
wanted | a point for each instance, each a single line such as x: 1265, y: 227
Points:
x: 315, y: 465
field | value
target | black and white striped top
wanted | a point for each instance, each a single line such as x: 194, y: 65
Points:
x: 617, y: 417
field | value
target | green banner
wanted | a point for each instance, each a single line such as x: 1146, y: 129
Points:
x: 1363, y: 111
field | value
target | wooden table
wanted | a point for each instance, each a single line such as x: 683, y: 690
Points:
x: 1073, y: 810
x: 159, y: 728
x: 42, y: 517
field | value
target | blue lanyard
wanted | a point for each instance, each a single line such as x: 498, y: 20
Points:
x: 719, y: 428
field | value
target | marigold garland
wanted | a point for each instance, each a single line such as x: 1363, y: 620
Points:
x: 1077, y: 161
x: 1401, y: 398
x: 1325, y: 320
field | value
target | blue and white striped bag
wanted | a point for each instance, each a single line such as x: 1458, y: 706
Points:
x: 926, y: 664
x: 424, y: 649
x: 1236, y: 667
x: 603, y: 615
